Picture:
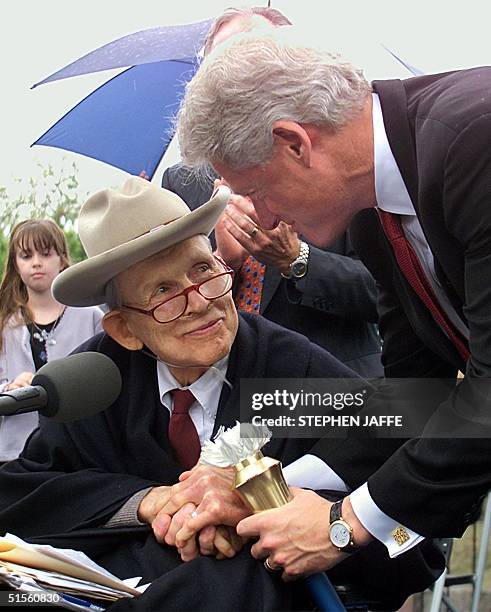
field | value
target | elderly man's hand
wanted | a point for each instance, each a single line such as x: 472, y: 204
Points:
x: 277, y: 247
x: 153, y: 502
x: 221, y: 542
x: 296, y: 536
x: 212, y: 490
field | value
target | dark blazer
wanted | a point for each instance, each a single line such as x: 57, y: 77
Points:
x: 71, y: 478
x: 439, y: 130
x: 334, y: 305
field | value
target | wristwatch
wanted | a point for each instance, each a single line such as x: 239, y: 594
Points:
x: 340, y: 533
x: 298, y: 267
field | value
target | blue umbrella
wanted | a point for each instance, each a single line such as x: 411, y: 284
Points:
x: 127, y: 121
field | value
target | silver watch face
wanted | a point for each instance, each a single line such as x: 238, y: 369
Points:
x: 298, y: 269
x: 339, y: 534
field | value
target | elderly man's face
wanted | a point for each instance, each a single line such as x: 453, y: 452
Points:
x: 204, y: 333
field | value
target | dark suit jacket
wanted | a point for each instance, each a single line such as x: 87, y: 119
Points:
x: 439, y: 130
x: 334, y: 305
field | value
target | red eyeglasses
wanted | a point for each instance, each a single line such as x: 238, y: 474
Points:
x: 173, y: 308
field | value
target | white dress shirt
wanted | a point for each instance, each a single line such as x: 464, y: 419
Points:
x: 206, y: 390
x: 310, y: 471
x: 392, y: 196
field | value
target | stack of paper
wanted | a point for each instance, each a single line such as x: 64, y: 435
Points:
x: 63, y: 571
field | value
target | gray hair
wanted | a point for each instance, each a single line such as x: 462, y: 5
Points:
x: 112, y: 295
x: 251, y: 81
x: 274, y: 16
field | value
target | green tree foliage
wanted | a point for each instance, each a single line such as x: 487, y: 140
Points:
x: 53, y: 194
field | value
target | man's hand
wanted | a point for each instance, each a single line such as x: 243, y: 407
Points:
x: 226, y: 542
x: 277, y: 247
x: 217, y: 503
x: 221, y: 542
x: 211, y: 489
x: 231, y: 251
x: 228, y: 248
x: 239, y: 234
x: 23, y: 380
x: 296, y: 536
x: 152, y: 504
x: 189, y: 549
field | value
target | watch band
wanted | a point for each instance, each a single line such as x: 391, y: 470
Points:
x: 335, y: 514
x: 302, y: 260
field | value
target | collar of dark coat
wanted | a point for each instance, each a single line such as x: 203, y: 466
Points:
x: 395, y: 102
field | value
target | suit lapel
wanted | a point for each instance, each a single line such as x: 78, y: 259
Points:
x: 241, y: 364
x: 400, y: 133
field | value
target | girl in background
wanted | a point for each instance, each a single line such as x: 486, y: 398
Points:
x: 34, y: 327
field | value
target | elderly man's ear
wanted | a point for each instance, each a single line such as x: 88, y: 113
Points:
x: 116, y: 326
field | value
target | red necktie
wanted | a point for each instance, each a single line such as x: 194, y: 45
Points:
x: 411, y: 268
x: 183, y: 436
x: 250, y: 286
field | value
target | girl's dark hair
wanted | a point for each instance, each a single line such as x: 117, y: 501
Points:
x: 38, y: 234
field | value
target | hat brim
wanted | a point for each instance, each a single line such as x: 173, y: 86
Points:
x: 84, y: 284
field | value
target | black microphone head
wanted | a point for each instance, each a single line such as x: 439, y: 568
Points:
x: 78, y: 385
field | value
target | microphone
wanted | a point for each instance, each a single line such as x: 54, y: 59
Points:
x: 67, y: 389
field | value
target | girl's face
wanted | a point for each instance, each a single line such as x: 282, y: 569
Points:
x: 37, y: 269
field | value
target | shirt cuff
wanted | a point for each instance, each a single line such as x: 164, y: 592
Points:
x: 310, y: 472
x: 396, y: 537
x: 127, y: 515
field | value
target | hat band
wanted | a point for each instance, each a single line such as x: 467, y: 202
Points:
x: 154, y: 229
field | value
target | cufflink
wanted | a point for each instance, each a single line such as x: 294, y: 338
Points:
x: 400, y: 535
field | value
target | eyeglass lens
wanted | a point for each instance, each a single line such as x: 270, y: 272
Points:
x: 211, y: 289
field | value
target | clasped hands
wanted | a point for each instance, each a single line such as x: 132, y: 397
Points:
x: 204, y: 514
x: 198, y: 514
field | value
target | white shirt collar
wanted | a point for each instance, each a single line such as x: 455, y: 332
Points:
x: 390, y: 190
x: 206, y: 389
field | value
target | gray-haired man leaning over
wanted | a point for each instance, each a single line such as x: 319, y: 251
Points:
x: 312, y: 143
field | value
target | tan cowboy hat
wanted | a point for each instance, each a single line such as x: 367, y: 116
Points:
x: 120, y: 227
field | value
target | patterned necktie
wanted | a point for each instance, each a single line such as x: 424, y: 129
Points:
x: 183, y: 436
x: 411, y: 268
x: 250, y: 286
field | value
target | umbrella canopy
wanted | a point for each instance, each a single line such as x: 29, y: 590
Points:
x: 126, y: 122
x: 179, y: 42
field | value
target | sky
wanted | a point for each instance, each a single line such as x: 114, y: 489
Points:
x: 41, y: 37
